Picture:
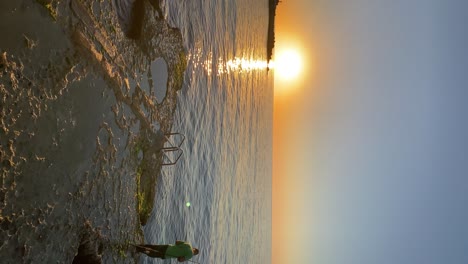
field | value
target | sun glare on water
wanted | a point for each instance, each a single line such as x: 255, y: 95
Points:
x: 223, y: 66
x: 287, y: 67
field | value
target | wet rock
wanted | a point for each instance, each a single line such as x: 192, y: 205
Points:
x: 130, y: 14
x: 87, y: 254
x: 90, y: 249
x: 49, y: 94
x: 5, y: 223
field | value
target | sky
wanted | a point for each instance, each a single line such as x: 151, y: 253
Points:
x: 371, y: 141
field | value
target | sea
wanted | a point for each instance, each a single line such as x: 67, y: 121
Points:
x: 76, y: 96
x: 225, y: 112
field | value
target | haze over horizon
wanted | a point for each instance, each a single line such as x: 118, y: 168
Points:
x: 371, y: 140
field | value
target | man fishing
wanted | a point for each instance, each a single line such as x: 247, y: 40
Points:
x: 182, y: 251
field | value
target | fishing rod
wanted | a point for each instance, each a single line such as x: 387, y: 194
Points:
x: 154, y: 250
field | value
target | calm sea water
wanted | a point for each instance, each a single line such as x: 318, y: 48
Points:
x: 225, y: 112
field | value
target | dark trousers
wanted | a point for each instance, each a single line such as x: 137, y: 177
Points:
x: 154, y: 251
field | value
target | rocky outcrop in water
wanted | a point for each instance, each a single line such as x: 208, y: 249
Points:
x: 272, y: 4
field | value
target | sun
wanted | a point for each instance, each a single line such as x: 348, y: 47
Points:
x: 288, y: 64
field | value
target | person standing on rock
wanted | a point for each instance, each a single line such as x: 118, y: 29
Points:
x: 182, y: 251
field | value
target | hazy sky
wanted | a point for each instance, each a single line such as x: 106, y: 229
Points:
x: 371, y: 152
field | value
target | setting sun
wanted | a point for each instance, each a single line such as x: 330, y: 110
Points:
x: 288, y: 64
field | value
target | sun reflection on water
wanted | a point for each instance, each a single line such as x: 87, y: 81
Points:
x: 243, y: 65
x: 220, y: 66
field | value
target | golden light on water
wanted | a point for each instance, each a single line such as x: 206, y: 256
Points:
x: 288, y: 67
x: 220, y: 66
x: 241, y: 64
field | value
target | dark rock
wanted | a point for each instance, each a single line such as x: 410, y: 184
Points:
x: 90, y: 249
x: 87, y: 254
x: 5, y: 223
x: 130, y: 14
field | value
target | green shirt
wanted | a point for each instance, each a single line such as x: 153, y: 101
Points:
x: 180, y: 249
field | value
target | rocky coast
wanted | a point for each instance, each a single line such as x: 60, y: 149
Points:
x: 81, y: 128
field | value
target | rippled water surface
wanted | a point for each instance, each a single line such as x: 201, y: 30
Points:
x: 83, y: 111
x: 225, y: 111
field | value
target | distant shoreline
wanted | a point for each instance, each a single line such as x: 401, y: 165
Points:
x: 271, y: 28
